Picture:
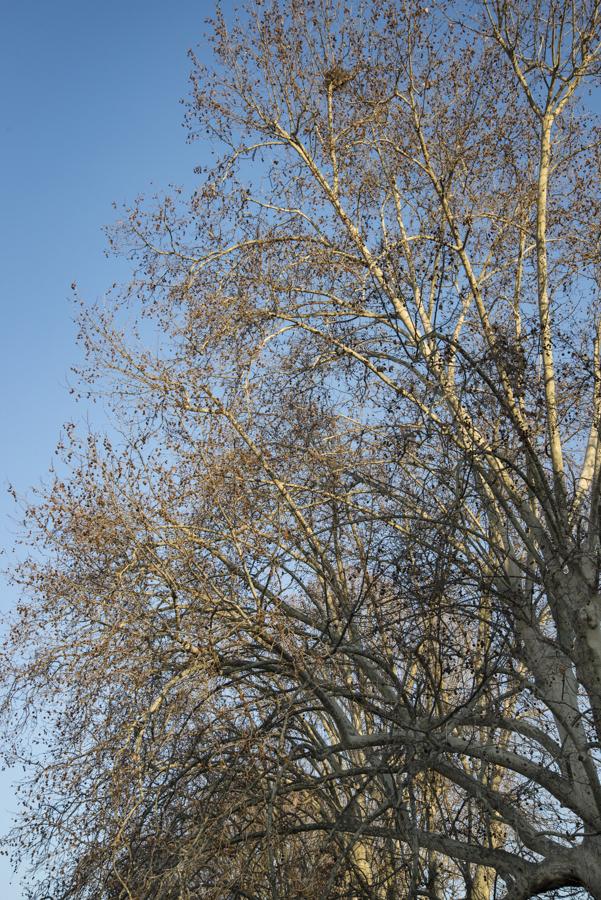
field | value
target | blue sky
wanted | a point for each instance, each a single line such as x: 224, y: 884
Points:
x: 90, y: 114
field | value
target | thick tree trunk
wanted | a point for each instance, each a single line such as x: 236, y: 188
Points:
x: 578, y: 868
x: 591, y: 867
x: 483, y: 884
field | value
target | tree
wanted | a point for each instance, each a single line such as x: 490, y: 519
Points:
x: 323, y: 620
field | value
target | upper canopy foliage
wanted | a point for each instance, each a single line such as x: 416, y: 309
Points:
x: 324, y: 622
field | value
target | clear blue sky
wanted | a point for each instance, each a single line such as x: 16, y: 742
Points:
x: 90, y: 113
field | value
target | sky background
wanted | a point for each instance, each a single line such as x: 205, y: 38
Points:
x: 90, y: 114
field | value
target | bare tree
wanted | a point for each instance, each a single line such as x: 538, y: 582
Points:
x: 324, y: 620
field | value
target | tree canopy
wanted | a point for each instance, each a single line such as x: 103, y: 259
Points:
x: 320, y: 616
